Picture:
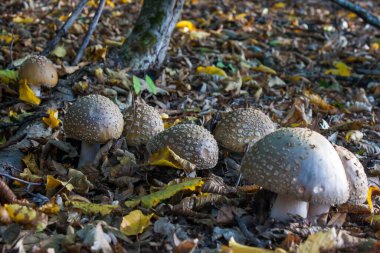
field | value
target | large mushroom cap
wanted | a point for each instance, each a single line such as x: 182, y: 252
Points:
x: 142, y: 122
x: 242, y: 126
x: 357, y: 179
x: 191, y: 142
x: 39, y: 71
x: 93, y: 119
x: 297, y: 162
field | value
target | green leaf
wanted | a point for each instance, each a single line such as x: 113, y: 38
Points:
x: 136, y: 84
x: 151, y: 86
x: 8, y: 76
x: 220, y: 64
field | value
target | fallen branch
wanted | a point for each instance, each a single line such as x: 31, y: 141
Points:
x: 90, y: 31
x: 23, y: 121
x: 360, y: 11
x: 63, y: 30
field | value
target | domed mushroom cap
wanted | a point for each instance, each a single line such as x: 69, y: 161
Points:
x: 190, y: 142
x: 142, y: 122
x: 93, y: 119
x: 357, y: 179
x: 242, y: 126
x: 297, y: 162
x: 39, y: 71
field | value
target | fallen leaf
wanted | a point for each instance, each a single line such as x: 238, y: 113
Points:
x: 135, y: 223
x: 52, y: 185
x: 31, y: 163
x: 211, y: 70
x: 167, y: 157
x: 354, y: 135
x: 91, y: 208
x: 26, y: 216
x: 341, y: 69
x: 320, y: 102
x: 23, y: 20
x: 315, y: 243
x: 186, y: 26
x: 59, y: 51
x: 52, y: 121
x: 27, y: 94
x: 234, y: 247
x: 264, y: 69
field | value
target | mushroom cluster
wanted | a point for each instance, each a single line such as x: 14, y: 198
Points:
x: 94, y: 120
x: 306, y: 172
x: 38, y: 71
x: 190, y: 142
x: 241, y: 127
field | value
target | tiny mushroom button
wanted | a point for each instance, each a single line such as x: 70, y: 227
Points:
x: 301, y: 166
x: 38, y: 71
x: 93, y: 119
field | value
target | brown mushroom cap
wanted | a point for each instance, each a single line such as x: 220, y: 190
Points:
x: 93, y: 119
x: 142, y: 122
x: 240, y: 127
x: 39, y: 71
x: 357, y: 179
x: 298, y: 162
x: 191, y: 142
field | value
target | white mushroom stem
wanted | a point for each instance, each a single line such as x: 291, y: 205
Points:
x: 36, y: 90
x: 315, y: 210
x: 88, y: 152
x: 286, y: 204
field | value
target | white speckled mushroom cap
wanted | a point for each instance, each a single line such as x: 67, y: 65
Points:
x: 142, y: 122
x: 39, y: 71
x: 357, y: 179
x: 191, y: 142
x: 93, y: 119
x: 298, y: 162
x: 240, y: 127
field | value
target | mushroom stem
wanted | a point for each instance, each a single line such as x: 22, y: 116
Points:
x: 36, y: 90
x: 286, y: 204
x: 315, y: 210
x: 88, y: 152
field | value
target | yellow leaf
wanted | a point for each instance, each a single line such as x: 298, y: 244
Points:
x: 279, y: 5
x: 341, y: 70
x: 52, y: 184
x: 325, y: 240
x: 27, y: 94
x: 91, y: 208
x: 211, y: 70
x: 186, y: 26
x: 375, y: 46
x: 52, y: 121
x: 371, y: 191
x: 59, y: 51
x: 354, y: 135
x: 8, y: 76
x: 320, y: 102
x: 96, y: 53
x: 265, y: 69
x: 167, y: 157
x: 135, y: 222
x: 50, y: 208
x: 7, y: 38
x: 63, y: 18
x: 110, y: 3
x: 155, y: 198
x: 23, y: 20
x: 234, y: 247
x: 31, y: 163
x: 21, y: 214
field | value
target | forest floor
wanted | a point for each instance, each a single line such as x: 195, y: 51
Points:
x: 304, y: 63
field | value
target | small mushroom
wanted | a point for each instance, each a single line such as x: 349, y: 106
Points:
x: 190, y: 142
x: 38, y: 71
x: 142, y: 122
x: 241, y: 127
x: 357, y: 179
x: 301, y: 166
x: 93, y: 119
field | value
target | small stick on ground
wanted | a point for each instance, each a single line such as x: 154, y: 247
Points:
x: 63, y: 30
x: 90, y: 31
x: 360, y: 11
x: 23, y: 121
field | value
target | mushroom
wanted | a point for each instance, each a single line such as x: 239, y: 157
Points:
x: 93, y: 119
x: 241, y: 127
x: 142, y: 122
x: 38, y: 71
x: 357, y: 179
x: 190, y: 142
x: 301, y: 166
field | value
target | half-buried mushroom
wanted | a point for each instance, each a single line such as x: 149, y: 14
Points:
x: 301, y: 166
x: 190, y: 142
x: 38, y: 71
x: 93, y: 119
x: 241, y: 127
x: 142, y: 122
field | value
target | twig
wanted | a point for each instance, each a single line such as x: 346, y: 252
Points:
x: 63, y: 30
x: 6, y: 194
x: 21, y: 180
x: 360, y: 11
x: 90, y: 31
x: 26, y: 119
x: 12, y: 142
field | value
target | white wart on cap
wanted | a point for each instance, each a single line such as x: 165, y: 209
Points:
x: 142, y: 122
x: 93, y: 119
x: 240, y: 127
x: 190, y: 142
x: 357, y: 179
x: 38, y: 71
x: 301, y: 166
